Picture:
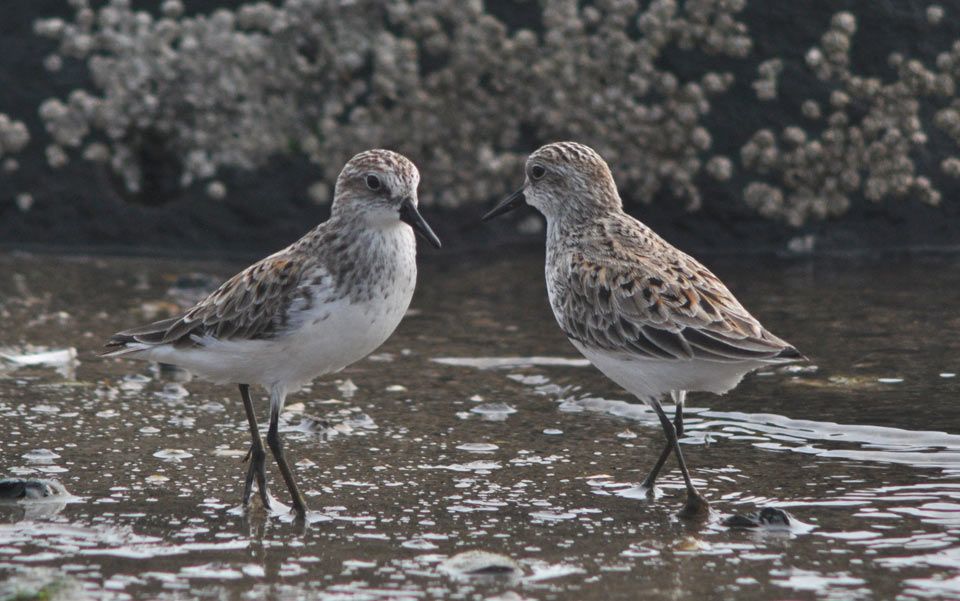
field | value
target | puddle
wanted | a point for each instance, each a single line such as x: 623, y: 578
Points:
x: 478, y: 430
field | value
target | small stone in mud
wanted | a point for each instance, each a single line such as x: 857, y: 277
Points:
x: 494, y: 410
x: 768, y: 517
x: 479, y: 563
x: 18, y: 489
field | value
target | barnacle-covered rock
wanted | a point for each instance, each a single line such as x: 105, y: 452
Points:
x: 687, y: 103
x: 13, y: 135
x: 445, y: 82
x: 874, y: 129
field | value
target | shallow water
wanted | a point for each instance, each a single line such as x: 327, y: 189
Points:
x: 478, y: 428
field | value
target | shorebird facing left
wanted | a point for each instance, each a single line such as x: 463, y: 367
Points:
x: 324, y: 302
x: 650, y: 317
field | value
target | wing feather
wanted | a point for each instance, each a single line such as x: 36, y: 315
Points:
x: 667, y: 306
x: 250, y: 305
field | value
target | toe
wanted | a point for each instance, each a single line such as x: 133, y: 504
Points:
x: 696, y: 507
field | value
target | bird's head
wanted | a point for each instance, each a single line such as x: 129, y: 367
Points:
x: 380, y: 187
x: 564, y: 179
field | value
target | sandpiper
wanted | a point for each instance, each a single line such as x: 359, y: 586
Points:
x: 650, y: 317
x: 324, y: 302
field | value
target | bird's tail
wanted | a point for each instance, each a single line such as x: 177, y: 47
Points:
x: 790, y: 355
x: 138, y: 339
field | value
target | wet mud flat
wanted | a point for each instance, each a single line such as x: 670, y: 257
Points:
x: 477, y: 428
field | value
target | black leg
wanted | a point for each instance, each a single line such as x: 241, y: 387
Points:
x: 651, y: 478
x: 696, y: 505
x: 256, y: 455
x: 276, y: 446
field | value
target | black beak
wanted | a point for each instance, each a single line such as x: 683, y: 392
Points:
x: 506, y: 205
x: 412, y: 217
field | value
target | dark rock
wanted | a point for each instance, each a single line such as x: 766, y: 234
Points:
x: 768, y: 517
x: 18, y: 489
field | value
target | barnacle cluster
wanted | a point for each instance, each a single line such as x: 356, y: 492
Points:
x: 864, y: 146
x: 13, y: 137
x: 465, y: 93
x: 446, y: 82
x: 766, y: 84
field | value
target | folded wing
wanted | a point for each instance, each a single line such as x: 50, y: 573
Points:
x: 682, y: 312
x: 250, y: 305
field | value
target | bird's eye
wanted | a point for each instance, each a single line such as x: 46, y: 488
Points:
x: 537, y: 171
x: 373, y: 182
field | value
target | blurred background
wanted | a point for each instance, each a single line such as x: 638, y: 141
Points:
x: 215, y: 126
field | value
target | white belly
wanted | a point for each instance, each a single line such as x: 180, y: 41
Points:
x: 653, y: 378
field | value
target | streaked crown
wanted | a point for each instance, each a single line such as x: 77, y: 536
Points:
x: 571, y: 153
x: 569, y: 176
x: 376, y: 174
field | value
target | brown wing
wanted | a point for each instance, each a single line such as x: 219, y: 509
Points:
x: 676, y: 310
x: 250, y: 305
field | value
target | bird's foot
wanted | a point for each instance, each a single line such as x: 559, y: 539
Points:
x: 299, y: 507
x: 649, y: 490
x: 256, y: 471
x: 696, y: 507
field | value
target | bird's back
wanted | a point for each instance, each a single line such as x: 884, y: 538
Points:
x: 650, y: 316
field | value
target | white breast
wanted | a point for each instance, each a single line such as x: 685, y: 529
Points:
x: 337, y: 334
